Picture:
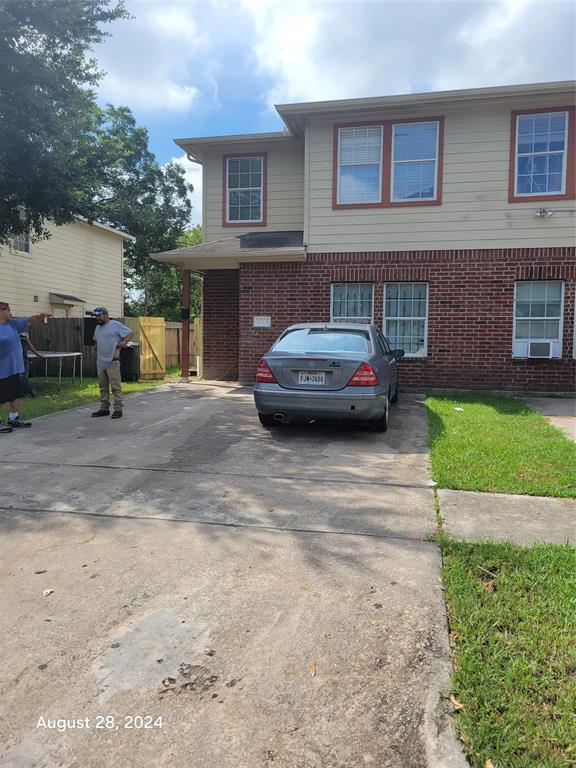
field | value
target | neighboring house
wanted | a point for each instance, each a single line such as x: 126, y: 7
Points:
x: 77, y: 268
x: 446, y: 218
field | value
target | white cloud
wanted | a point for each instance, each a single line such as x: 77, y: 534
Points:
x: 148, y: 58
x: 193, y: 176
x: 163, y: 94
x: 318, y: 50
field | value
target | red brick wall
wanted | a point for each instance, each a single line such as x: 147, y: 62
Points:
x: 220, y: 300
x: 471, y: 297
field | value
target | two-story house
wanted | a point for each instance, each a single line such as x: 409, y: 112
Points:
x: 446, y: 218
x: 78, y: 267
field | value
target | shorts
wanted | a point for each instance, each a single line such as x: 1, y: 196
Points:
x: 10, y: 388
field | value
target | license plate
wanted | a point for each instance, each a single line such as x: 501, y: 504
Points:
x: 311, y: 377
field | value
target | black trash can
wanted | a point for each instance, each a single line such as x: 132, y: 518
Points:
x: 130, y: 363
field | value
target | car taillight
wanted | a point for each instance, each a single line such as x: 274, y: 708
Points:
x: 365, y: 376
x: 263, y: 373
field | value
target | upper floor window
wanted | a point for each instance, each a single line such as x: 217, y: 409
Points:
x: 388, y: 164
x: 245, y: 189
x: 538, y: 318
x: 414, y: 161
x: 542, y: 146
x: 352, y: 303
x: 21, y: 242
x: 360, y: 164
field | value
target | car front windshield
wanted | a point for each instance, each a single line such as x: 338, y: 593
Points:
x: 324, y: 340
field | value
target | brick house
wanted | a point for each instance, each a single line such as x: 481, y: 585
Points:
x: 446, y: 218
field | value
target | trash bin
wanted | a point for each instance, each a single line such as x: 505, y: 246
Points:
x: 130, y: 362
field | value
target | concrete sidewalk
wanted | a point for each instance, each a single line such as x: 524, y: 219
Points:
x: 264, y: 597
x: 560, y: 411
x: 525, y: 520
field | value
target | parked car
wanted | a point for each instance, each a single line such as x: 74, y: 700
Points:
x: 328, y: 371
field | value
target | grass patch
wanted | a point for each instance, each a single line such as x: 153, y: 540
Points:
x: 499, y: 445
x: 72, y: 395
x: 512, y: 617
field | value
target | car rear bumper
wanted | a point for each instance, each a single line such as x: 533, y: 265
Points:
x: 344, y: 404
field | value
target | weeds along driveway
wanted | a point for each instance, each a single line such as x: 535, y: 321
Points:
x: 262, y: 596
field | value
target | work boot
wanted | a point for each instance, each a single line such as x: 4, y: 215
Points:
x: 17, y: 424
x: 101, y: 412
x: 117, y: 415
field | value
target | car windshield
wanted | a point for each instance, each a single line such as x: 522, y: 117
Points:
x: 323, y: 340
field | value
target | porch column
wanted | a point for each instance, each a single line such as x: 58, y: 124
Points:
x: 185, y: 340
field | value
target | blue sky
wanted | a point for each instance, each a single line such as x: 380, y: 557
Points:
x: 210, y: 67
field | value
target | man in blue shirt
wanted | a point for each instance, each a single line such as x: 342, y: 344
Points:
x: 12, y: 364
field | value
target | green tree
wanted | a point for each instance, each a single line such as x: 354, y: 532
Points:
x: 147, y: 200
x: 49, y: 123
x: 165, y: 287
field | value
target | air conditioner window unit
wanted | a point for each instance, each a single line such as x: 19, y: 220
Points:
x: 540, y: 349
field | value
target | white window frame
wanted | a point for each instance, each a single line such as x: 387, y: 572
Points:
x: 521, y: 347
x: 422, y: 352
x: 405, y: 162
x: 22, y: 237
x: 350, y: 319
x: 229, y: 189
x: 534, y: 154
x: 381, y: 166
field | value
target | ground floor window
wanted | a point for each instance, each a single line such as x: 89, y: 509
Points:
x: 538, y: 309
x: 406, y: 317
x: 352, y: 303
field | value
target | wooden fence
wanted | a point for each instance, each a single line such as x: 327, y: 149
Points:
x: 159, y: 343
x: 174, y: 344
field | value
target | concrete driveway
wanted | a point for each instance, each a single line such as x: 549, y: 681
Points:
x: 258, y: 598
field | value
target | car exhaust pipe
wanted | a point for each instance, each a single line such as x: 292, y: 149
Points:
x: 279, y: 417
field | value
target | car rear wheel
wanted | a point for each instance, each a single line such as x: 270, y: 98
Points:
x: 381, y: 424
x: 266, y: 419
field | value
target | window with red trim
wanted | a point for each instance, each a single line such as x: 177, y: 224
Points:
x: 542, y: 154
x: 388, y: 163
x: 244, y: 189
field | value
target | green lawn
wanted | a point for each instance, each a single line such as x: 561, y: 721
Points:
x: 512, y: 613
x: 74, y: 394
x: 498, y: 444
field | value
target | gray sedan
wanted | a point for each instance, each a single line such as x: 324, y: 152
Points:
x: 328, y: 371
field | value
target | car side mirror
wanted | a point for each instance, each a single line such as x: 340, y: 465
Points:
x: 398, y: 353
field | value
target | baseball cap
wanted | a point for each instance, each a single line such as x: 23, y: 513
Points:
x: 99, y: 311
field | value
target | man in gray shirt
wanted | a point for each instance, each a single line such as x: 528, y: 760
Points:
x: 109, y: 338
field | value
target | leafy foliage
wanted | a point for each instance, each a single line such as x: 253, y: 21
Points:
x: 165, y: 286
x: 49, y: 123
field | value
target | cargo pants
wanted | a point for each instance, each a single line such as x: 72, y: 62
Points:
x: 109, y: 379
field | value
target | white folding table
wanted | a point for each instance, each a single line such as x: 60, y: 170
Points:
x: 59, y: 355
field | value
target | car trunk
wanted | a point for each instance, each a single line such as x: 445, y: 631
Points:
x: 315, y: 372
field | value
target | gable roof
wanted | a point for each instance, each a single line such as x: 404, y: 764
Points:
x: 296, y: 115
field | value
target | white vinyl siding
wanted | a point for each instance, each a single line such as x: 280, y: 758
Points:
x: 78, y: 260
x: 360, y: 165
x: 352, y: 303
x: 475, y: 212
x: 541, y: 149
x: 285, y: 189
x: 538, y: 311
x: 414, y: 161
x: 406, y: 317
x: 244, y: 193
